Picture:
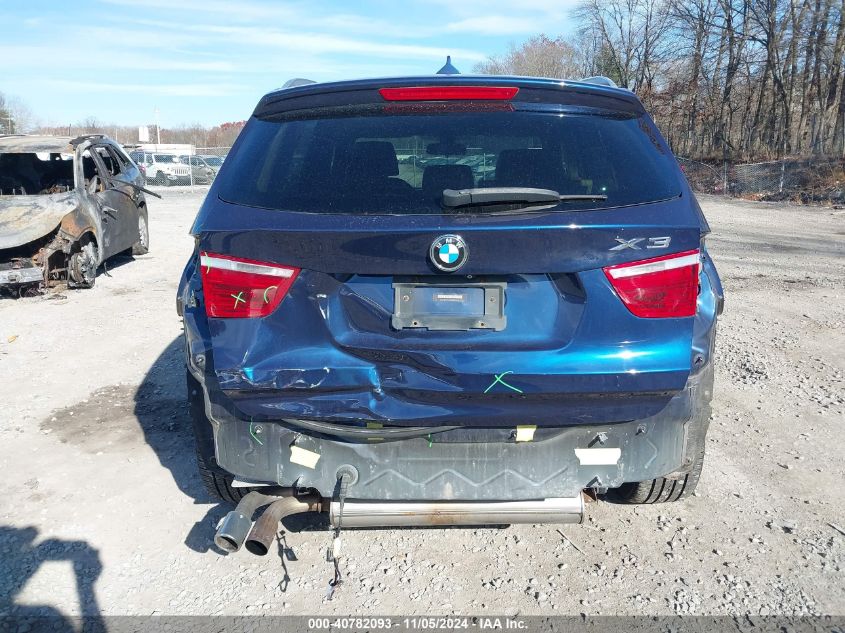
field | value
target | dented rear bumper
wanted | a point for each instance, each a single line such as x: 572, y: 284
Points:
x: 465, y: 464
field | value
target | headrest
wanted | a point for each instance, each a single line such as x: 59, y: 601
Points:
x: 373, y: 159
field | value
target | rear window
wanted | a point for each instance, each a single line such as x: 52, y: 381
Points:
x: 401, y: 163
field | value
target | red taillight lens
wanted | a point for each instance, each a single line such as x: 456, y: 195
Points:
x: 243, y: 288
x: 664, y: 286
x: 449, y: 93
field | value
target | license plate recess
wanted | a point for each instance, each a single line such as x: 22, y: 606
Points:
x: 449, y: 306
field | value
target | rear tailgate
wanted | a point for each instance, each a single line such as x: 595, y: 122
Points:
x: 558, y: 347
x: 571, y: 351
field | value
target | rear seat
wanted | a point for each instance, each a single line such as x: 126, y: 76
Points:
x: 372, y: 167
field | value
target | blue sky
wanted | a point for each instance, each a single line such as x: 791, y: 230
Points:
x: 209, y: 61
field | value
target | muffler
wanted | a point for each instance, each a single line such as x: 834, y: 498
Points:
x: 264, y: 531
x: 235, y: 525
x: 358, y: 513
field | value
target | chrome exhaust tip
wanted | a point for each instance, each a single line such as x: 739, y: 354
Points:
x: 232, y: 532
x: 233, y: 529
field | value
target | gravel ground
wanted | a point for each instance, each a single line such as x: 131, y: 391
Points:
x: 104, y: 512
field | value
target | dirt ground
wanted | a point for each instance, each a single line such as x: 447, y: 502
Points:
x: 103, y: 512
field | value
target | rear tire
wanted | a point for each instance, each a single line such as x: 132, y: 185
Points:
x: 218, y: 485
x: 217, y: 482
x: 661, y: 490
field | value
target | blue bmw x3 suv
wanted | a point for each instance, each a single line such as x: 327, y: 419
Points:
x: 450, y: 300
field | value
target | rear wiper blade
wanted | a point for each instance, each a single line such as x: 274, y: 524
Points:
x: 510, y: 195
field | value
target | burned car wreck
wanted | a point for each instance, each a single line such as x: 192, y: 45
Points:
x: 66, y: 206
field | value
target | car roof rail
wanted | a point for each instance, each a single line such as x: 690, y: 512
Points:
x: 600, y: 80
x: 297, y: 81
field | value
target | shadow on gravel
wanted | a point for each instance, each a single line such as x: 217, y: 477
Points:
x: 115, y: 262
x: 21, y: 560
x: 201, y: 536
x: 161, y: 407
x: 163, y: 413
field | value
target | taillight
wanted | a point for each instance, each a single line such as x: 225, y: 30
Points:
x: 664, y: 286
x: 449, y: 93
x: 235, y: 287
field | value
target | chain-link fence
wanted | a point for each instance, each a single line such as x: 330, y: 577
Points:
x: 211, y: 158
x: 212, y: 152
x: 805, y: 180
x: 178, y: 165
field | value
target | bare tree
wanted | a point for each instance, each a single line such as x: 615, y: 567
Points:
x: 222, y: 135
x: 724, y: 79
x: 540, y: 56
x: 6, y: 123
x: 16, y: 117
x: 632, y: 35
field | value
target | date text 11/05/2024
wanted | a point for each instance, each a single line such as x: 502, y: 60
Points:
x: 418, y: 623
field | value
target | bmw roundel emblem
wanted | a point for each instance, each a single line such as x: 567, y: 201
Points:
x: 448, y: 253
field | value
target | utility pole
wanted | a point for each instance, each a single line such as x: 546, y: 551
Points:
x: 158, y: 130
